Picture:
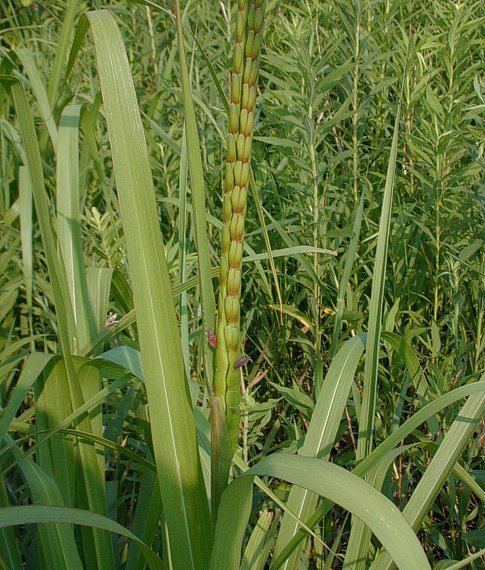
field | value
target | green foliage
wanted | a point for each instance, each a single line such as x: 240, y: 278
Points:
x: 362, y: 314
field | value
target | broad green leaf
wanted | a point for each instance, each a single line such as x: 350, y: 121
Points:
x: 320, y: 437
x: 327, y: 480
x: 172, y: 421
x: 57, y: 541
x: 436, y: 473
x: 69, y: 222
x: 382, y: 450
x: 36, y: 514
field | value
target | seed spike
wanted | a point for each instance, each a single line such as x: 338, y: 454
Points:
x: 243, y: 93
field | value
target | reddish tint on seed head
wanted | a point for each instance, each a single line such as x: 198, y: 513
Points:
x: 212, y: 339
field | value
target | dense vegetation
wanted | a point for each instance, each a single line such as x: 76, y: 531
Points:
x: 351, y: 380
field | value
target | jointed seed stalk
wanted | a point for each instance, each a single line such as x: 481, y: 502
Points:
x: 243, y: 93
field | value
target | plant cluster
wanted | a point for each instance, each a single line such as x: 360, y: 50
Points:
x: 242, y: 316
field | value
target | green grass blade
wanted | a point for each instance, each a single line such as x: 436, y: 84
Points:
x: 94, y: 484
x: 453, y: 565
x: 67, y: 31
x: 382, y: 450
x: 213, y: 73
x: 69, y: 222
x: 9, y: 547
x: 41, y: 201
x: 58, y: 543
x: 448, y: 453
x: 290, y: 243
x: 99, y: 287
x: 260, y: 542
x: 255, y: 193
x: 415, y: 420
x: 147, y: 518
x: 182, y: 231
x: 321, y: 434
x: 198, y: 199
x: 26, y: 232
x: 172, y: 422
x: 327, y: 480
x: 230, y: 529
x: 38, y: 87
x: 37, y: 514
x: 367, y: 414
x: 79, y: 35
x: 58, y: 458
x: 349, y: 262
x: 356, y: 496
x: 469, y: 481
x: 58, y: 425
x: 366, y: 423
x: 33, y: 367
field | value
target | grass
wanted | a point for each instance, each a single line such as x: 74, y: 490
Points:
x: 327, y: 411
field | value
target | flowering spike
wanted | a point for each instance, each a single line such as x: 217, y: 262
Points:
x: 243, y: 93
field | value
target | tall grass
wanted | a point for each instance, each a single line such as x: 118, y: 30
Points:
x: 325, y: 412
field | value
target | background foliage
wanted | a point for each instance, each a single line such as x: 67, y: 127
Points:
x: 332, y: 77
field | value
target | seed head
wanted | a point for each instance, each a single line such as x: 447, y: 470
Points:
x: 258, y: 19
x: 238, y: 199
